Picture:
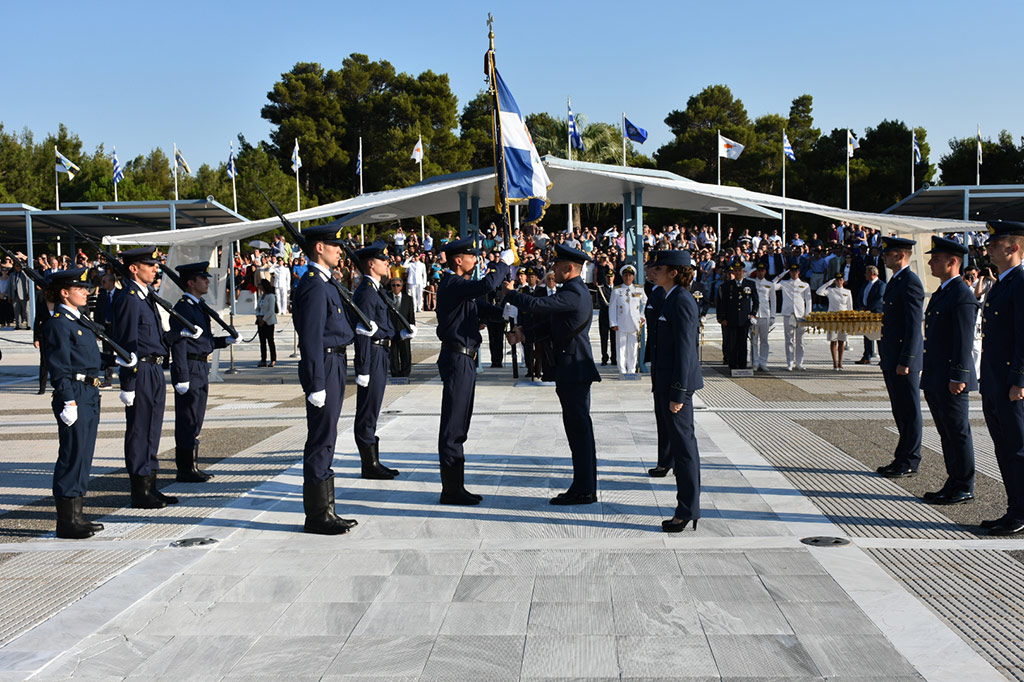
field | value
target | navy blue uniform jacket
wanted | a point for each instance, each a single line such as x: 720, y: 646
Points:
x: 1002, y: 336
x: 949, y: 337
x: 370, y: 302
x: 675, y: 367
x: 70, y: 349
x: 181, y: 346
x: 137, y: 328
x: 558, y: 318
x: 321, y: 322
x: 460, y: 305
x: 902, y: 314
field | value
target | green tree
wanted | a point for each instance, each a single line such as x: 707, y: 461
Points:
x: 886, y: 151
x: 475, y: 130
x: 693, y: 153
x: 1002, y: 161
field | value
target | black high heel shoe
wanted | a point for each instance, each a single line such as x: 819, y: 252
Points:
x: 673, y: 526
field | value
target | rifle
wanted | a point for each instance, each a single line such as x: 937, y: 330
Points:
x: 40, y: 282
x: 210, y: 312
x: 124, y: 273
x: 295, y: 234
x: 388, y: 301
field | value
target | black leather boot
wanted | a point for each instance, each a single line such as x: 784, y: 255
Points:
x: 371, y: 465
x: 330, y: 504
x: 166, y: 499
x: 92, y: 525
x: 452, y: 489
x: 142, y: 493
x: 376, y: 454
x: 187, y: 463
x: 68, y: 526
x: 319, y: 508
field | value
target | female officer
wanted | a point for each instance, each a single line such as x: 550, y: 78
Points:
x: 675, y: 374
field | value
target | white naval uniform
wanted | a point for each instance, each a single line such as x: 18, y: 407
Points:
x: 763, y: 324
x: 838, y: 299
x: 416, y: 280
x: 796, y: 303
x: 626, y: 311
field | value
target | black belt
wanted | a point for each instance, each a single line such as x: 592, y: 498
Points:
x: 152, y: 359
x: 89, y: 381
x: 335, y: 350
x: 202, y: 357
x: 459, y: 348
x: 379, y: 342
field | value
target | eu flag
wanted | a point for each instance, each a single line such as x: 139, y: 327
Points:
x: 634, y: 133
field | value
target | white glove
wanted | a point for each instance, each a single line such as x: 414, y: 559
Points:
x: 508, y: 257
x: 363, y: 331
x: 410, y: 334
x: 228, y: 340
x: 69, y: 415
x: 128, y: 398
x: 363, y: 380
x: 182, y: 388
x: 187, y: 335
x: 131, y: 362
x: 317, y: 398
x: 510, y: 312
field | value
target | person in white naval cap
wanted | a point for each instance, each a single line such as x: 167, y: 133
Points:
x: 765, y: 318
x: 796, y: 303
x: 625, y: 317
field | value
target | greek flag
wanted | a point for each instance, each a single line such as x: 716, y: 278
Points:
x: 65, y: 165
x: 296, y: 161
x: 574, y: 134
x: 635, y: 133
x: 852, y: 143
x: 917, y: 149
x: 787, y: 148
x: 232, y: 172
x: 359, y: 161
x: 118, y: 170
x: 518, y: 164
x: 180, y: 162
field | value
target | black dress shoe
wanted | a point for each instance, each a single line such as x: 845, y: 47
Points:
x: 896, y: 470
x: 673, y: 526
x: 659, y: 472
x: 568, y: 498
x: 987, y: 525
x: 1007, y: 527
x: 862, y: 361
x: 932, y: 496
x: 953, y: 498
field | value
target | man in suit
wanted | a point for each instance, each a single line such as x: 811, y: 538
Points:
x: 737, y: 309
x: 564, y: 319
x: 604, y: 325
x: 21, y: 289
x: 401, y: 349
x: 947, y: 373
x: 900, y: 349
x: 1002, y: 369
x: 104, y: 315
x: 869, y: 298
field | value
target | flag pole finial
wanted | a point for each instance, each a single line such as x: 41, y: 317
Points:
x: 490, y: 29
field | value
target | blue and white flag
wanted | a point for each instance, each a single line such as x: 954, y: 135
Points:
x: 232, y: 171
x: 525, y: 178
x: 118, y: 170
x: 65, y: 165
x: 574, y: 134
x: 180, y: 162
x: 979, y: 145
x: 852, y: 143
x: 787, y: 148
x: 359, y: 159
x: 917, y: 149
x: 635, y: 133
x: 296, y: 161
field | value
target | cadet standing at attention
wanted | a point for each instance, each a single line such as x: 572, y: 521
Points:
x: 460, y: 308
x: 947, y: 373
x: 372, y: 358
x: 900, y: 348
x: 324, y: 331
x: 190, y: 371
x: 1002, y: 369
x: 626, y: 317
x: 564, y: 318
x: 655, y: 297
x: 737, y: 310
x: 138, y: 328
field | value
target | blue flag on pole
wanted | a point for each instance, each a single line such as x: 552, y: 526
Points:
x: 574, y: 133
x: 296, y: 160
x: 635, y: 133
x: 232, y: 171
x: 917, y: 149
x: 359, y: 161
x: 66, y: 165
x: 118, y: 170
x: 526, y: 180
x: 787, y: 148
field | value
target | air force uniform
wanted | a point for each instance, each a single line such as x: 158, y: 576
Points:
x: 626, y: 311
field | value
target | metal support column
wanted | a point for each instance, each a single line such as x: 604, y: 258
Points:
x: 174, y: 216
x: 463, y: 220
x: 30, y: 314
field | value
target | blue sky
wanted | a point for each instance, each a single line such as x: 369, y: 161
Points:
x: 141, y: 75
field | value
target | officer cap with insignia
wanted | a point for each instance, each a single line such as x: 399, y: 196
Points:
x: 190, y: 270
x: 1004, y: 228
x: 674, y: 259
x: 627, y: 266
x: 794, y: 266
x: 378, y: 249
x: 328, y: 234
x: 64, y: 279
x: 563, y: 252
x: 761, y: 265
x: 143, y: 254
x: 897, y: 243
x: 943, y: 245
x: 738, y: 265
x: 458, y: 247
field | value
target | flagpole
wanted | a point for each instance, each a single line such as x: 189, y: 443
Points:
x: 56, y: 180
x: 978, y: 155
x: 234, y: 172
x: 718, y: 169
x: 623, y: 138
x: 848, y: 142
x: 568, y: 147
x: 913, y: 159
x: 362, y: 227
x: 423, y: 229
x: 175, y: 162
x: 298, y: 200
x: 783, y: 185
x: 115, y: 181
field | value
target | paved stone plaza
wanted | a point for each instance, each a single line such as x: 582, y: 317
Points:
x: 514, y: 589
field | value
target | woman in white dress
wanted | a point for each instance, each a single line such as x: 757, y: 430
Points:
x: 839, y: 298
